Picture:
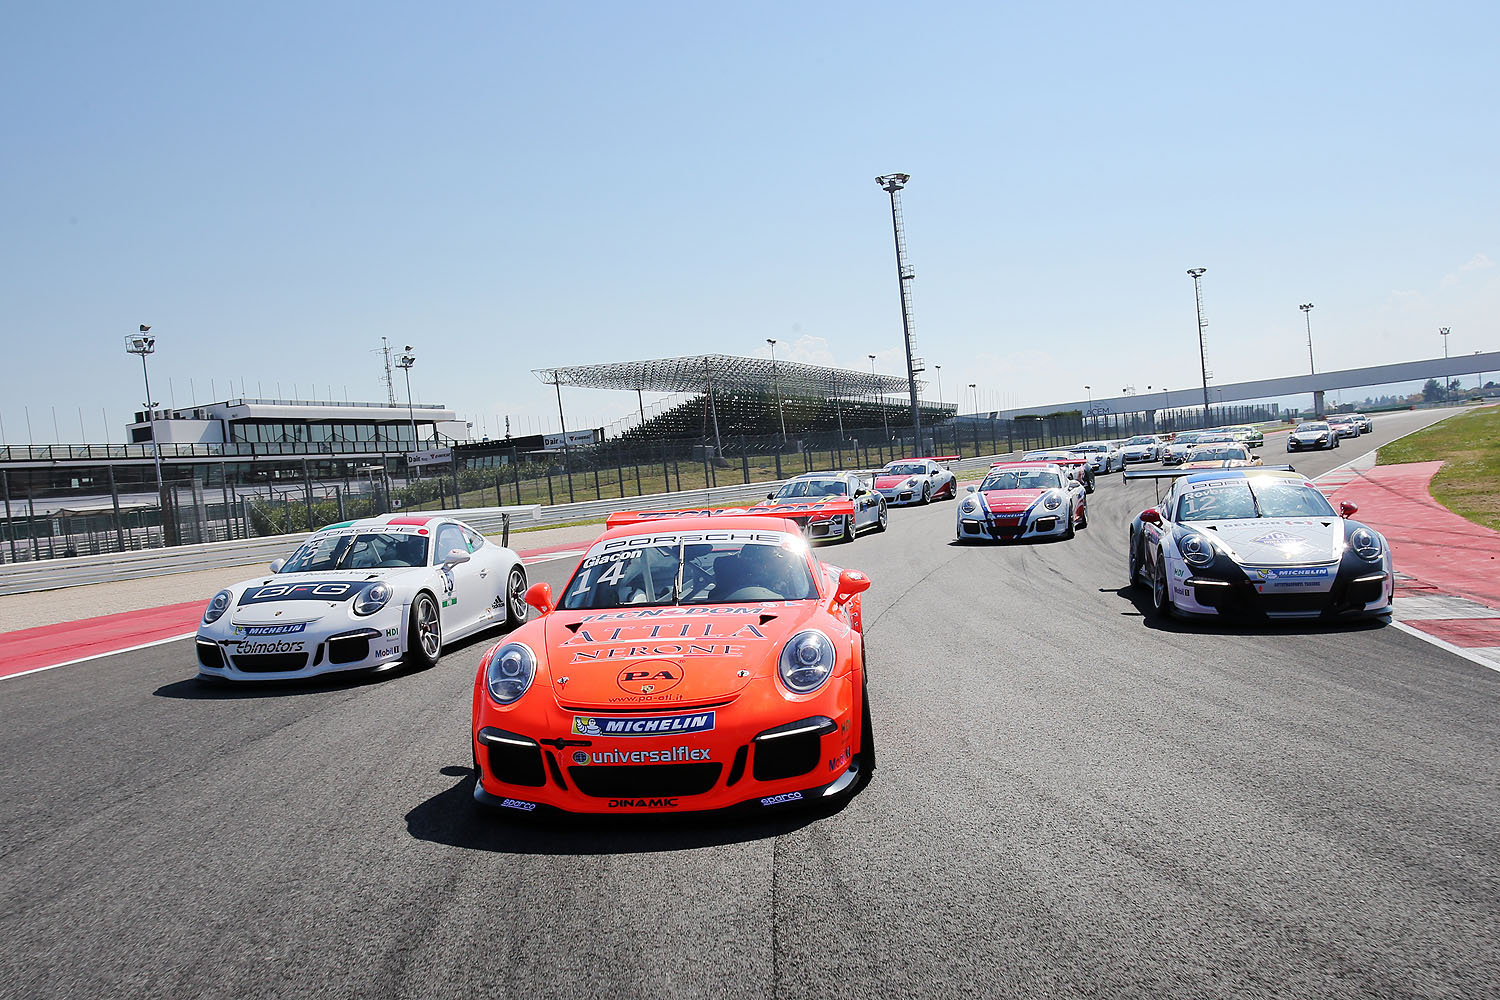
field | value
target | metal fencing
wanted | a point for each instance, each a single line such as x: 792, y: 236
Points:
x: 52, y: 511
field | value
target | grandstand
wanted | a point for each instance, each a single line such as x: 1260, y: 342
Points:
x: 730, y: 396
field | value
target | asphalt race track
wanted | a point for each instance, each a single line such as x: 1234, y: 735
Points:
x: 1071, y: 800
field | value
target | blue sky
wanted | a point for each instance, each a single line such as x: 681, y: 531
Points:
x: 273, y: 187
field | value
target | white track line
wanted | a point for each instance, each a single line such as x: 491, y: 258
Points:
x: 1444, y: 644
x: 96, y: 656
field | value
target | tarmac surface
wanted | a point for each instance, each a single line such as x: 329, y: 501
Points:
x: 1073, y: 799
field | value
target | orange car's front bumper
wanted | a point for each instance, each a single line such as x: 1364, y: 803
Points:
x: 544, y: 760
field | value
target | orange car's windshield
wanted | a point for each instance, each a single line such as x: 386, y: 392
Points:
x: 756, y: 567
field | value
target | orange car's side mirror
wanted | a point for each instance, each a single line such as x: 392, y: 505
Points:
x: 539, y: 596
x: 851, y: 582
x: 1150, y: 516
x: 1347, y: 509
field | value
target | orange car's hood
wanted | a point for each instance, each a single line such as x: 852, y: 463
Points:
x: 647, y: 657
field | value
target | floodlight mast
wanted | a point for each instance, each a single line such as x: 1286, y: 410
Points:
x: 892, y: 185
x: 407, y: 360
x: 143, y: 344
x: 1196, y: 273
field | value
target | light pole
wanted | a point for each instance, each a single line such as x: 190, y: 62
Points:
x: 1306, y: 308
x: 940, y: 386
x: 880, y: 401
x: 776, y: 380
x: 406, y: 361
x: 892, y: 185
x: 1090, y: 391
x: 1447, y: 379
x: 1197, y: 273
x: 143, y: 344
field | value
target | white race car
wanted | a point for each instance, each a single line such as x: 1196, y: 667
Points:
x: 1257, y: 543
x: 1103, y: 456
x: 917, y: 480
x: 869, y: 506
x: 362, y: 595
x: 1020, y: 501
x: 1142, y: 448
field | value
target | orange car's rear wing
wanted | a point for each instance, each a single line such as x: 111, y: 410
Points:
x: 796, y: 510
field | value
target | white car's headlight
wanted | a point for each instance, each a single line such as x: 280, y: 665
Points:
x: 912, y: 481
x: 1196, y: 549
x: 510, y: 672
x: 1053, y: 501
x: 969, y: 506
x: 1366, y: 544
x: 806, y: 661
x: 373, y: 599
x: 217, y: 607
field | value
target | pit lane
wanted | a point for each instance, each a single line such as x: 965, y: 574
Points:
x: 1071, y: 800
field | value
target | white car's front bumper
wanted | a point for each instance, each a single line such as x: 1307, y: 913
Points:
x: 254, y: 653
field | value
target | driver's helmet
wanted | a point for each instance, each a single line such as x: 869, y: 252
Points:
x: 765, y: 565
x: 409, y: 550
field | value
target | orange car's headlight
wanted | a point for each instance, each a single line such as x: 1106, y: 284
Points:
x: 807, y: 661
x: 510, y: 672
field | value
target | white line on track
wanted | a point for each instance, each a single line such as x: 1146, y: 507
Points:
x: 1443, y: 644
x: 96, y: 656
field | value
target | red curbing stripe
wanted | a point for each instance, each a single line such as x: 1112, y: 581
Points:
x: 49, y: 645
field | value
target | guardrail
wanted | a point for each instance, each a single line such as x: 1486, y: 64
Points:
x: 55, y: 574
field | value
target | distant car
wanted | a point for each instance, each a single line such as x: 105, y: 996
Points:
x: 1022, y: 500
x: 1366, y: 425
x: 363, y: 595
x: 917, y: 480
x: 1142, y: 448
x: 1175, y: 453
x: 869, y: 508
x: 1075, y: 465
x: 1257, y: 543
x: 1252, y: 437
x: 1103, y: 456
x: 1346, y: 425
x: 1220, y: 456
x: 1312, y: 435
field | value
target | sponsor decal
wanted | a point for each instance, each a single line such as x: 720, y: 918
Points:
x: 250, y: 646
x: 391, y: 633
x: 677, y: 612
x: 1299, y: 572
x: 776, y: 800
x: 687, y: 537
x: 331, y: 591
x: 291, y: 628
x: 392, y: 651
x: 518, y: 804
x: 642, y: 803
x: 841, y: 761
x: 659, y: 725
x: 671, y: 755
x: 665, y: 649
x: 1278, y: 538
x: 649, y: 678
x: 450, y: 602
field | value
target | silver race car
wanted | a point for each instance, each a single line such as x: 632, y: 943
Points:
x: 870, y: 509
x: 362, y: 595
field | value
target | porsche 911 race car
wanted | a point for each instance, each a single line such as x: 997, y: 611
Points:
x: 691, y: 663
x: 362, y: 595
x: 1257, y: 543
x: 865, y: 510
x: 1250, y: 437
x: 1176, y: 451
x: 1219, y: 456
x: 1102, y: 455
x: 1075, y: 465
x: 1022, y: 500
x: 1142, y: 448
x: 1312, y: 435
x: 917, y: 480
x: 1346, y: 425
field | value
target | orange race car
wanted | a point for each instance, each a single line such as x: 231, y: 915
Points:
x: 696, y: 660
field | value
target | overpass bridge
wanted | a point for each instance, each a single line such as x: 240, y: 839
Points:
x: 1272, y: 388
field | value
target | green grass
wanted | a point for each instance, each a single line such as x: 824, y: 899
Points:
x: 1468, y: 445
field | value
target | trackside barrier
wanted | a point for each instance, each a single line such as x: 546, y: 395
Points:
x: 55, y: 574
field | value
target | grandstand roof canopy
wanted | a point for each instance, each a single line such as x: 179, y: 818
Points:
x: 757, y: 374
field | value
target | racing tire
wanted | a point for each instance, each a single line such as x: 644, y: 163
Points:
x: 1135, y: 564
x: 1083, y: 520
x: 926, y: 493
x: 424, y: 631
x: 848, y: 535
x: 1071, y: 531
x: 515, y: 598
x: 884, y: 516
x: 1161, y: 597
